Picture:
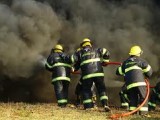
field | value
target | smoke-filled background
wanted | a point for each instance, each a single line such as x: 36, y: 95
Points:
x: 30, y: 28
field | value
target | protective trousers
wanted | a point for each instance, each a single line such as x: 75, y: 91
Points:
x: 124, y: 97
x: 136, y: 96
x: 154, y: 97
x: 61, y: 91
x: 87, y: 93
x: 78, y: 92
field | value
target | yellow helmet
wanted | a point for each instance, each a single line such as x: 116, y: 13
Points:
x: 58, y: 47
x: 86, y: 42
x: 135, y: 50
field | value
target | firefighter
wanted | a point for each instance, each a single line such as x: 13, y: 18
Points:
x: 78, y: 90
x: 124, y: 97
x: 90, y: 62
x: 154, y: 97
x: 134, y: 69
x: 58, y: 64
x: 79, y: 94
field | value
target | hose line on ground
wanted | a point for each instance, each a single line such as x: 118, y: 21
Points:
x: 115, y: 116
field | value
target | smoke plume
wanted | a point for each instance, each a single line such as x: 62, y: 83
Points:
x: 30, y: 28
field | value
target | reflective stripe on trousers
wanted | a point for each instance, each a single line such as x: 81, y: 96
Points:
x: 152, y: 104
x: 136, y: 85
x: 87, y: 101
x: 61, y: 78
x: 143, y: 109
x: 62, y: 101
x: 93, y: 75
x: 124, y: 104
x: 104, y: 97
x: 132, y: 108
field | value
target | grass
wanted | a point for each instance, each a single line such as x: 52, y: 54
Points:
x: 24, y: 111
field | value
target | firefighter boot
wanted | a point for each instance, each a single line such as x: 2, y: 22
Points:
x: 125, y: 106
x: 106, y: 108
x: 78, y: 101
x: 94, y: 99
x: 62, y: 105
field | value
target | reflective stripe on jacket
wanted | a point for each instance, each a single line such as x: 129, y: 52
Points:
x: 58, y: 64
x: 90, y: 61
x: 134, y: 69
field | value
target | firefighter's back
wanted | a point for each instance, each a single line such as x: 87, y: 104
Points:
x: 90, y: 61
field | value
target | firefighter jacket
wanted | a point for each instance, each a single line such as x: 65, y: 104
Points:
x: 134, y: 70
x: 90, y: 61
x: 58, y: 64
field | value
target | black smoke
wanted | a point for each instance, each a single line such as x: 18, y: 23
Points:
x: 30, y: 28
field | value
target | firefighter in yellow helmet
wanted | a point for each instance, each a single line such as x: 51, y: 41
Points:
x: 58, y: 64
x: 78, y: 90
x: 90, y: 62
x: 135, y: 69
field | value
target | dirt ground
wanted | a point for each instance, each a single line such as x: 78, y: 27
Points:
x: 25, y: 111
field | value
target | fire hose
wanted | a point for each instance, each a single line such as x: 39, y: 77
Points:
x: 104, y: 64
x: 115, y: 116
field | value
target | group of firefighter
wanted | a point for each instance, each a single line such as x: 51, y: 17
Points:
x: 90, y: 61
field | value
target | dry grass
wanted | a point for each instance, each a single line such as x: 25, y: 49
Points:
x: 23, y: 111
